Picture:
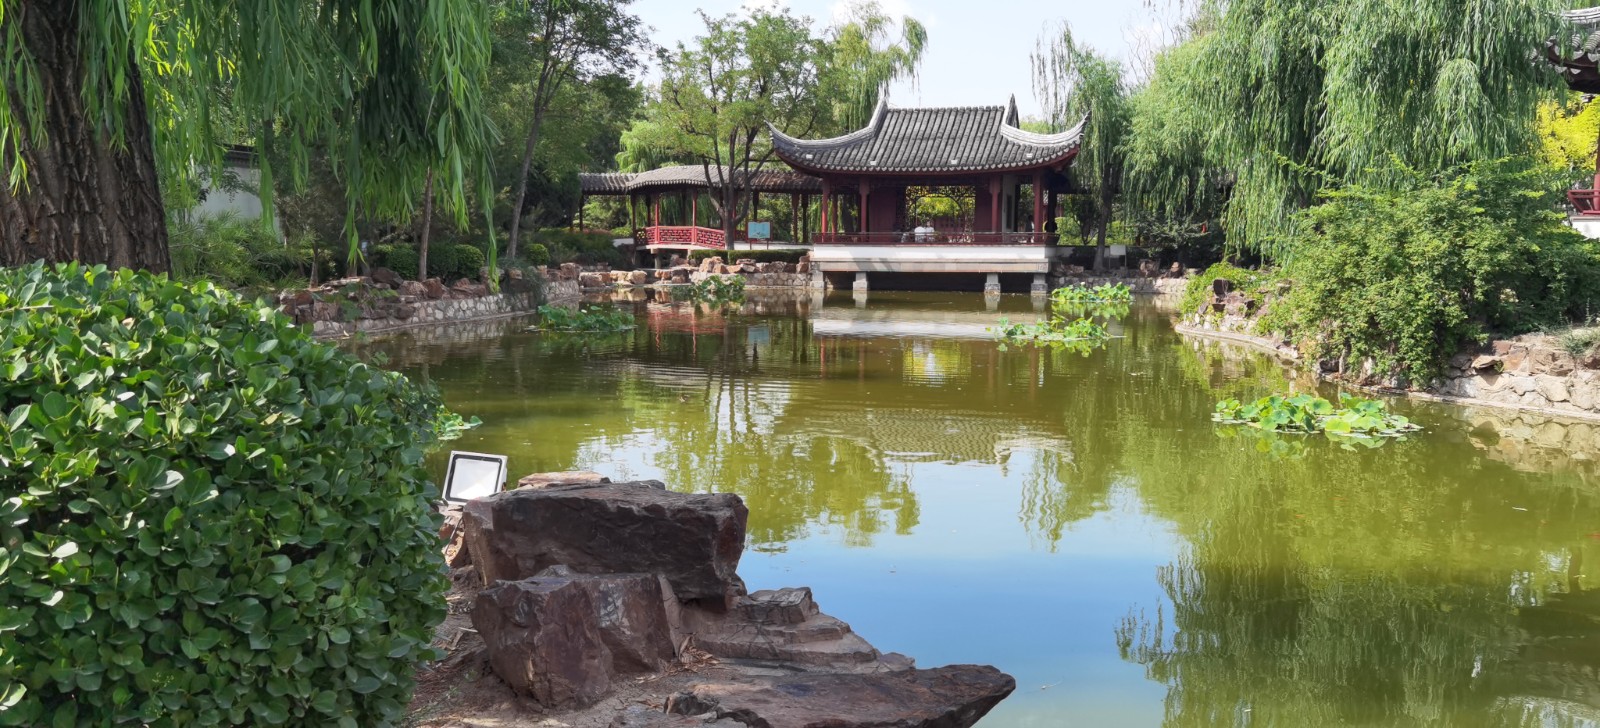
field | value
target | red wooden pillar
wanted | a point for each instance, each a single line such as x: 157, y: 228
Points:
x: 994, y: 203
x: 694, y: 217
x: 866, y: 188
x: 827, y: 195
x: 1038, y: 204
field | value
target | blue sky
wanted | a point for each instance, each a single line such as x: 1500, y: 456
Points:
x: 977, y: 49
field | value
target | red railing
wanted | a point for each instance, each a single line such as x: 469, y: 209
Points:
x: 1586, y: 202
x: 685, y: 235
x: 935, y: 238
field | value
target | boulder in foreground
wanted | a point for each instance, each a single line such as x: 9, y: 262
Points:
x: 692, y: 540
x: 956, y: 696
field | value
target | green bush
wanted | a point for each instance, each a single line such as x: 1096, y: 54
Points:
x: 537, y: 255
x: 583, y: 248
x: 1405, y: 276
x: 1198, y: 290
x: 404, y: 261
x: 208, y: 518
x: 759, y: 256
x: 466, y: 261
x: 232, y: 252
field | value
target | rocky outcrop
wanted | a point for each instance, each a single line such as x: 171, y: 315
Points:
x: 946, y: 697
x: 588, y: 580
x: 543, y: 639
x: 785, y: 625
x: 695, y: 541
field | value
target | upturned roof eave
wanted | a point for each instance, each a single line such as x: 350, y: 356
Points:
x: 826, y: 171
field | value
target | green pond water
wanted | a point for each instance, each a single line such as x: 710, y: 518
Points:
x: 1078, y: 520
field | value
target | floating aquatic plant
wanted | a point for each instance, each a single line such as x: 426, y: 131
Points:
x: 1103, y: 293
x: 1082, y: 335
x: 1356, y: 419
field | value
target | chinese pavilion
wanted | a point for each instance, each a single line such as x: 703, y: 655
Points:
x: 1577, y: 60
x: 937, y: 190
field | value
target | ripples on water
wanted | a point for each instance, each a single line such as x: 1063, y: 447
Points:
x: 1077, y: 520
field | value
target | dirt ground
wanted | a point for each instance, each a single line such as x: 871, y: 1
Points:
x: 461, y: 691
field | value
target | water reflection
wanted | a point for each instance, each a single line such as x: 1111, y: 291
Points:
x: 1078, y: 520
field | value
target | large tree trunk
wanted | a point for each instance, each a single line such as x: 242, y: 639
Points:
x: 427, y: 227
x: 522, y: 180
x: 83, y: 199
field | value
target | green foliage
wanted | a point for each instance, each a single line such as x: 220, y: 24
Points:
x: 583, y: 248
x: 1407, y: 274
x: 209, y: 518
x: 593, y: 319
x: 1198, y: 290
x: 404, y: 259
x: 716, y: 290
x: 1355, y: 419
x: 1103, y: 293
x: 232, y: 252
x: 394, y: 87
x: 468, y: 262
x: 1579, y: 341
x: 1280, y: 98
x: 537, y: 255
x: 1081, y: 335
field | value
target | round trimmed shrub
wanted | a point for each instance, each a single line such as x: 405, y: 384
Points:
x: 208, y: 518
x: 538, y: 256
x: 404, y: 261
x: 466, y: 261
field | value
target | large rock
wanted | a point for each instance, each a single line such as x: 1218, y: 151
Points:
x: 434, y: 288
x: 637, y: 613
x: 387, y: 277
x: 594, y: 279
x: 786, y: 626
x: 543, y: 638
x: 956, y: 696
x: 546, y: 480
x: 693, y: 540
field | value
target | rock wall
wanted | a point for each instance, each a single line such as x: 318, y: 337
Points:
x: 426, y: 313
x: 1159, y: 286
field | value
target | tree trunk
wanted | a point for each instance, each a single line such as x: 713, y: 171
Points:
x: 82, y: 199
x: 1100, y: 240
x: 427, y: 227
x: 522, y: 182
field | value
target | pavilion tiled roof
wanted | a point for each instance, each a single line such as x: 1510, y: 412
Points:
x: 937, y: 140
x: 693, y: 175
x: 1578, y: 55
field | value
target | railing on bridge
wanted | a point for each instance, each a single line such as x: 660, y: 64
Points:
x: 935, y: 238
x: 689, y: 236
x: 1586, y: 202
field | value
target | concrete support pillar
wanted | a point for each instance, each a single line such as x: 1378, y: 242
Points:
x: 861, y: 283
x: 991, y: 284
x: 1040, y: 287
x: 860, y: 297
x: 818, y: 280
x: 991, y: 301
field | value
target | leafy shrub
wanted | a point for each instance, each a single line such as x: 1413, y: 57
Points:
x: 466, y: 261
x: 759, y: 256
x: 1578, y: 342
x: 1356, y: 418
x: 1406, y: 276
x: 588, y: 320
x: 405, y: 260
x: 232, y: 252
x: 583, y: 248
x: 1198, y: 290
x: 537, y: 255
x: 208, y: 517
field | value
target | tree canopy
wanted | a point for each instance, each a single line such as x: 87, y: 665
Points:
x: 100, y: 101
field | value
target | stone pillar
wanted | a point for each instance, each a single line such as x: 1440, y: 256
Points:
x: 1040, y: 288
x: 991, y: 284
x: 860, y: 297
x: 819, y: 281
x: 991, y: 301
x: 861, y: 283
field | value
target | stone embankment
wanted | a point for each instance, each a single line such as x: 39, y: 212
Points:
x: 619, y: 604
x: 775, y: 274
x: 384, y: 302
x: 1532, y: 373
x: 1147, y: 278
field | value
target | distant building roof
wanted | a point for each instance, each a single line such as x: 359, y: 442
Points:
x: 937, y: 140
x: 1576, y: 56
x: 688, y: 176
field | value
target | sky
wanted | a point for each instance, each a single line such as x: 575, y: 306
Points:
x: 978, y: 50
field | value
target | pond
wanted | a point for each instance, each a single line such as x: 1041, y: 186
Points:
x: 1077, y: 519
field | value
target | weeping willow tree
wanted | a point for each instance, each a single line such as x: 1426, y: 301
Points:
x: 863, y: 63
x: 1073, y: 81
x: 103, y: 100
x: 1288, y: 97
